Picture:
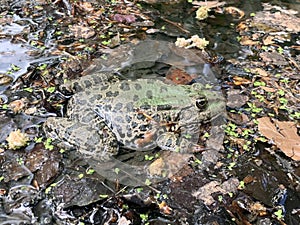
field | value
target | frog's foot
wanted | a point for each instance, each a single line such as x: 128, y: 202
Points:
x: 99, y: 144
x: 172, y: 142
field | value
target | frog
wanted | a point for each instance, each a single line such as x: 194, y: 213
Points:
x: 106, y: 113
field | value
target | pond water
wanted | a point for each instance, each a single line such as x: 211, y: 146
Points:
x: 43, y: 44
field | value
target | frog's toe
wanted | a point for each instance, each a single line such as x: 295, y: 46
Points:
x: 173, y: 142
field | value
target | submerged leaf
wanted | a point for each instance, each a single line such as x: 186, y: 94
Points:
x: 283, y: 133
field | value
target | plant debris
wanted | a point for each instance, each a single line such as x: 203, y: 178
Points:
x: 17, y: 139
x: 283, y: 134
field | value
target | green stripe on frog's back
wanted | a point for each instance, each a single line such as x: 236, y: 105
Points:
x: 157, y: 93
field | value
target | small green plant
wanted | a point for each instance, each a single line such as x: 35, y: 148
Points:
x: 144, y: 217
x: 20, y: 161
x: 90, y: 171
x: 4, y: 106
x: 241, y: 185
x: 38, y: 140
x: 253, y: 109
x: 50, y: 89
x: 30, y: 90
x: 231, y: 165
x: 42, y: 67
x: 259, y: 83
x: 103, y: 196
x: 139, y: 189
x: 117, y: 170
x: 106, y: 42
x: 230, y: 130
x: 14, y: 67
x: 280, y: 50
x: 48, y: 189
x: 279, y: 214
x: 48, y: 144
x: 148, y: 182
x: 148, y: 158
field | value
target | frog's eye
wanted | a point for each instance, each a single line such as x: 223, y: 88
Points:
x: 201, y: 103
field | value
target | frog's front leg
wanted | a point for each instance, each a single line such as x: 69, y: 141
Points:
x: 173, y: 142
x: 99, y: 144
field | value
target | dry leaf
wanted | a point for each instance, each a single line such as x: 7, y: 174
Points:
x: 18, y: 105
x: 235, y: 12
x: 124, y: 221
x: 164, y: 208
x: 284, y: 134
x: 268, y: 89
x: 240, y: 80
x: 268, y: 40
x: 82, y: 31
x: 259, y: 71
x: 236, y: 99
x: 246, y: 41
x: 209, y: 4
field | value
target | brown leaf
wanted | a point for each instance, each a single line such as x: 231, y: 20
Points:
x: 240, y: 80
x: 235, y: 12
x: 18, y: 105
x: 236, y: 99
x: 268, y: 40
x: 283, y: 133
x: 268, y: 89
x: 178, y: 76
x: 246, y: 41
x: 259, y: 71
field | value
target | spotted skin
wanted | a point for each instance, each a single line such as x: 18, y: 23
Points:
x: 141, y: 114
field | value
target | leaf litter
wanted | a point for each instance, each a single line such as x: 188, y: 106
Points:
x: 283, y: 134
x: 269, y: 88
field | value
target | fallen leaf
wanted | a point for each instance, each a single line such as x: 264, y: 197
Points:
x: 236, y: 99
x: 209, y: 4
x: 82, y: 31
x: 235, y: 12
x: 246, y: 41
x: 168, y: 164
x: 259, y: 71
x: 178, y: 76
x: 268, y: 40
x: 240, y: 80
x: 283, y: 133
x: 124, y: 221
x: 164, y: 208
x: 274, y: 58
x: 268, y: 89
x: 18, y: 105
x: 205, y: 192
